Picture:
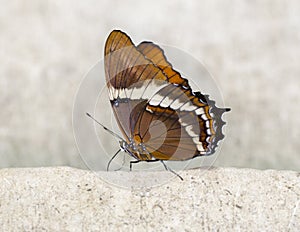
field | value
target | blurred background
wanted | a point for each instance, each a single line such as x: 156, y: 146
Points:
x: 252, y: 48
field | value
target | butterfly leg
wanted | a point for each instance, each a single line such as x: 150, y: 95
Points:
x: 114, y: 156
x: 133, y: 162
x: 122, y: 165
x: 169, y: 169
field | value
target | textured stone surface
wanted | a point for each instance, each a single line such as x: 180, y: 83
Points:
x: 251, y: 48
x: 220, y: 199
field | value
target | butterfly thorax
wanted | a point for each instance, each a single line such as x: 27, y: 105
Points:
x: 136, y: 149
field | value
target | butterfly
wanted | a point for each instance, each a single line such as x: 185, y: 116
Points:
x: 159, y: 115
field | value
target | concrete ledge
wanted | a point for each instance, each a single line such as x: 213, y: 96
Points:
x: 225, y: 199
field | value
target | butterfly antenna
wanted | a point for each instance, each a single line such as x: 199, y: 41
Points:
x: 105, y: 128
